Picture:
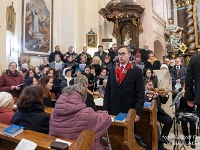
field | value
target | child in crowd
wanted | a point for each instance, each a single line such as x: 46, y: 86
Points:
x: 107, y: 63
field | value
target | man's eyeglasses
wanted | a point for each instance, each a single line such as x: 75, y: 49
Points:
x: 122, y: 54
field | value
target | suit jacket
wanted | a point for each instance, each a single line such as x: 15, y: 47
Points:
x: 145, y: 54
x: 155, y: 66
x: 100, y: 56
x: 129, y: 94
x: 193, y: 79
x: 181, y: 74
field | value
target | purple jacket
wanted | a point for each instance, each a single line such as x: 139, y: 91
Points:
x: 71, y: 116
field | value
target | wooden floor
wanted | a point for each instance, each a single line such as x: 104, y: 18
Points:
x: 170, y: 147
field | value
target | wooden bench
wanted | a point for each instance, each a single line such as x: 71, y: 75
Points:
x: 122, y: 135
x: 43, y: 141
x: 147, y: 126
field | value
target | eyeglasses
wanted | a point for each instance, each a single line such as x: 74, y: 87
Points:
x: 122, y: 54
x: 148, y: 72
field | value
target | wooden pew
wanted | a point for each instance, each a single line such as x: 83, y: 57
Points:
x: 122, y: 135
x: 147, y: 126
x: 43, y: 141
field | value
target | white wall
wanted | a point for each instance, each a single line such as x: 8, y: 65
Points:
x: 72, y: 19
x: 6, y: 37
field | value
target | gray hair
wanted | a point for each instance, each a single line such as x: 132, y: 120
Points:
x: 79, y: 88
x: 81, y: 79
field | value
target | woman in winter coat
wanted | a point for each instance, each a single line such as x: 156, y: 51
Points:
x: 71, y: 116
x: 152, y: 62
x: 30, y: 113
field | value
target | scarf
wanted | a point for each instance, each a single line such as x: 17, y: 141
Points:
x: 120, y: 72
x: 152, y: 61
x: 16, y: 73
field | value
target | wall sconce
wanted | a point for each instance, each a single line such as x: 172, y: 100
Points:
x: 12, y: 49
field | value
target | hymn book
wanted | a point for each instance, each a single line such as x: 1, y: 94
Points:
x: 13, y: 130
x: 121, y: 117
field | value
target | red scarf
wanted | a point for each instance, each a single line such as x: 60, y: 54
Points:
x: 120, y: 72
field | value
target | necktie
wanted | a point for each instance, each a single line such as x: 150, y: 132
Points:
x: 177, y: 72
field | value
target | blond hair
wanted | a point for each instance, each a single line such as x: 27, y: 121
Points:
x: 97, y: 59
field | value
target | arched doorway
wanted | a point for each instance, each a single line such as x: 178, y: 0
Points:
x: 159, y: 50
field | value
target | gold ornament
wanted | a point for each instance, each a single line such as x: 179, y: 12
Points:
x: 182, y: 48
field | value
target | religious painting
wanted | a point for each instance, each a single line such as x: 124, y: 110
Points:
x: 10, y: 19
x: 37, y: 27
x: 91, y: 39
x: 197, y: 22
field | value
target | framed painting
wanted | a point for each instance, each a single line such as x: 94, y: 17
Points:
x: 37, y: 27
x: 10, y: 19
x: 91, y: 40
x: 196, y: 16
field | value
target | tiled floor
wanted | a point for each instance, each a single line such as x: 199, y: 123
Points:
x: 171, y: 138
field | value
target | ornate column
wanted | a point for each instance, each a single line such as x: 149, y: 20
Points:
x: 190, y: 32
x: 190, y: 24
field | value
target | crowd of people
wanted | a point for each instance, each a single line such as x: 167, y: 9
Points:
x: 72, y: 78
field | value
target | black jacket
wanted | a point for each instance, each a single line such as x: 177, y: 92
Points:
x: 64, y: 84
x: 100, y: 56
x: 155, y: 66
x: 33, y: 118
x: 112, y: 54
x: 144, y: 55
x: 90, y: 101
x: 159, y: 100
x: 193, y: 80
x: 129, y: 94
x: 89, y: 57
x: 52, y: 55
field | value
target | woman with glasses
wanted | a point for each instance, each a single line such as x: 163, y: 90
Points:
x: 10, y: 81
x: 148, y: 74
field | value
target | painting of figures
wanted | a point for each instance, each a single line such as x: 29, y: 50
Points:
x: 37, y: 27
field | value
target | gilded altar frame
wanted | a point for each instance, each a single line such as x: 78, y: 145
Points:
x: 10, y: 20
x: 196, y: 16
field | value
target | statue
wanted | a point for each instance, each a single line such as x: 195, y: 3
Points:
x: 174, y: 36
x: 127, y: 39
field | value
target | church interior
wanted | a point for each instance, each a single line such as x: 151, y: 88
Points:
x: 63, y: 39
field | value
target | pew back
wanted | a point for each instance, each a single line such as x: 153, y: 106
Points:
x: 43, y: 141
x: 147, y: 126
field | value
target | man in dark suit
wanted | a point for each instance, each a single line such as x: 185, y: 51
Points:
x: 52, y: 55
x: 145, y: 53
x: 179, y: 72
x: 125, y: 86
x: 101, y: 54
x: 89, y: 57
x: 192, y: 82
x: 112, y: 52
